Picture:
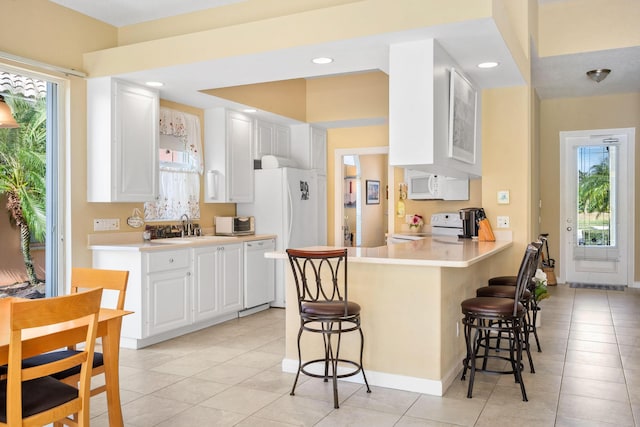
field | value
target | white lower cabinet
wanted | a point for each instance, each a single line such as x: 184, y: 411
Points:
x: 169, y: 300
x: 217, y: 281
x: 175, y: 291
x: 168, y: 285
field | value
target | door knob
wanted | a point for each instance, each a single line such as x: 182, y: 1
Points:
x: 569, y: 228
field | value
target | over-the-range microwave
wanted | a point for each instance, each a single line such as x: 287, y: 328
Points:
x: 426, y: 186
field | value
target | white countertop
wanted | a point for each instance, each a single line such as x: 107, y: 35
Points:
x: 434, y: 251
x: 122, y: 242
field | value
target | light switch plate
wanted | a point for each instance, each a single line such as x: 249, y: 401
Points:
x: 503, y: 222
x: 102, y: 224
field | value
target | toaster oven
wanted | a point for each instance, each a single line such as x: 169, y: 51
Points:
x: 234, y: 225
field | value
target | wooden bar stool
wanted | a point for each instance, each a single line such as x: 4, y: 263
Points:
x: 487, y: 317
x: 324, y: 307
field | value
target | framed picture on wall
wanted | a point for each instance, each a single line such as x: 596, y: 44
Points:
x: 462, y: 118
x: 373, y: 192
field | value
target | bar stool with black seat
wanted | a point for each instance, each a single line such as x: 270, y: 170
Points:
x: 505, y: 282
x: 486, y: 317
x: 324, y: 308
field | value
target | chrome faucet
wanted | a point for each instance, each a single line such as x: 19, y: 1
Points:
x: 186, y: 225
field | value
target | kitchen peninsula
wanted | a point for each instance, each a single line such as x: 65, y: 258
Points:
x: 410, y: 295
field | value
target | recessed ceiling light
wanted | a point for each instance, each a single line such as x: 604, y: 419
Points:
x: 322, y: 60
x: 249, y: 110
x: 154, y: 84
x: 491, y: 64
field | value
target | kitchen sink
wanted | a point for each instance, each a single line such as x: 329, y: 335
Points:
x: 168, y: 241
x: 191, y: 239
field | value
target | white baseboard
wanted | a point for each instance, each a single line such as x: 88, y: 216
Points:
x: 381, y: 379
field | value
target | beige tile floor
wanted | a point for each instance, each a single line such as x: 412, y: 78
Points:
x: 588, y: 374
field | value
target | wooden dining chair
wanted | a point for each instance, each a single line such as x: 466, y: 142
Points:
x: 31, y: 396
x: 87, y: 278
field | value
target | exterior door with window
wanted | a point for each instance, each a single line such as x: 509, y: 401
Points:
x: 597, y: 202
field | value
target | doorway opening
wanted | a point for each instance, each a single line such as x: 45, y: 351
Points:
x: 360, y: 220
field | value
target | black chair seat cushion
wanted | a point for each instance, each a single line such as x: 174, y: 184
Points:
x: 501, y: 292
x: 330, y: 308
x: 490, y: 306
x: 38, y: 395
x: 43, y: 358
x: 503, y: 281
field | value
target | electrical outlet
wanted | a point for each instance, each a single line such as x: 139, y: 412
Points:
x: 503, y: 222
x: 101, y: 224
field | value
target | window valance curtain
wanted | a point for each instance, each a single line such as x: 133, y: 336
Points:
x: 179, y: 188
x: 186, y: 127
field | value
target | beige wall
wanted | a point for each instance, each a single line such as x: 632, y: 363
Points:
x: 351, y: 97
x: 506, y: 155
x: 286, y: 98
x: 569, y: 114
x: 573, y: 26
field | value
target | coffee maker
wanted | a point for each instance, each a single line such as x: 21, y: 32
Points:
x: 470, y: 218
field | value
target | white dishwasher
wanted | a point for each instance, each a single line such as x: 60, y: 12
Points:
x: 259, y: 275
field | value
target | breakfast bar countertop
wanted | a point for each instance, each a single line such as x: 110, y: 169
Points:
x: 434, y: 251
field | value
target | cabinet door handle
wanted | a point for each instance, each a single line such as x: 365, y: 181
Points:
x: 170, y: 260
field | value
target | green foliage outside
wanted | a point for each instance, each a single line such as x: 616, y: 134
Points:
x: 23, y: 174
x: 594, y: 204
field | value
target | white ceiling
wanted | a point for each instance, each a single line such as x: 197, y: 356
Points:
x: 469, y: 43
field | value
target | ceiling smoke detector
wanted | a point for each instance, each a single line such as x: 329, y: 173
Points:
x: 598, y: 75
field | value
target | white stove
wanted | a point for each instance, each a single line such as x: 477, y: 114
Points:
x: 446, y: 224
x: 442, y: 224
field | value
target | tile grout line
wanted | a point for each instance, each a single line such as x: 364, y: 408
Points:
x: 624, y: 371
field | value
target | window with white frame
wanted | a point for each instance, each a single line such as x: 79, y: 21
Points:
x: 180, y: 168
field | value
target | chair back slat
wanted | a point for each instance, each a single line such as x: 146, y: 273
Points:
x: 526, y: 272
x: 89, y: 278
x: 320, y: 276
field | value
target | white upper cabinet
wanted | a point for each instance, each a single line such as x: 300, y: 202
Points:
x: 309, y: 147
x: 419, y: 79
x: 228, y: 139
x: 271, y: 139
x: 122, y: 141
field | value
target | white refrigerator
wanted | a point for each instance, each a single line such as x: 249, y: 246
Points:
x: 289, y: 203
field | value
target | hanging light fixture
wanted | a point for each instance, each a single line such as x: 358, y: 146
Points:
x: 6, y: 117
x: 599, y: 74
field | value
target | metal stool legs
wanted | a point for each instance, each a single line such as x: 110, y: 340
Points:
x: 331, y: 359
x: 477, y: 334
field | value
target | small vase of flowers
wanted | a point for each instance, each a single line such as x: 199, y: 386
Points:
x: 415, y: 223
x: 540, y: 292
x: 540, y: 280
